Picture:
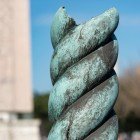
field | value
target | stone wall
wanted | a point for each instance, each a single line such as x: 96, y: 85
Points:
x: 133, y: 136
x: 20, y: 130
x: 15, y: 77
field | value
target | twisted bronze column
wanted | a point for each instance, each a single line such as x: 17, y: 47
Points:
x: 85, y: 84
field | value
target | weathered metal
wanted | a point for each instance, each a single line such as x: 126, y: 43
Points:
x: 85, y: 84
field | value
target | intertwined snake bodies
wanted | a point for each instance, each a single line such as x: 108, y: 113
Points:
x: 85, y: 84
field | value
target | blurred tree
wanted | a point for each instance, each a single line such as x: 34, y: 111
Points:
x: 128, y: 103
x: 41, y: 111
x: 41, y: 105
x: 129, y: 96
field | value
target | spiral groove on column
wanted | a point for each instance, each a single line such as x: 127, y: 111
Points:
x: 85, y: 84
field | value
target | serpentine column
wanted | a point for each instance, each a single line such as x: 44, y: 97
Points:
x: 85, y: 84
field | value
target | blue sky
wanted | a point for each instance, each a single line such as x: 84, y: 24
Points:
x: 42, y: 12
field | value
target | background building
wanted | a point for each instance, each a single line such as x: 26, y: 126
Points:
x: 15, y: 74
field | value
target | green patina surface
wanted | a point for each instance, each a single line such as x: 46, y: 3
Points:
x: 85, y: 85
x: 81, y: 40
x: 87, y: 113
x: 79, y: 78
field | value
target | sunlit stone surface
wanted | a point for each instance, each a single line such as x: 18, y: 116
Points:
x: 15, y: 77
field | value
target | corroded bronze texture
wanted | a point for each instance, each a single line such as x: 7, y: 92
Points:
x: 85, y: 84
